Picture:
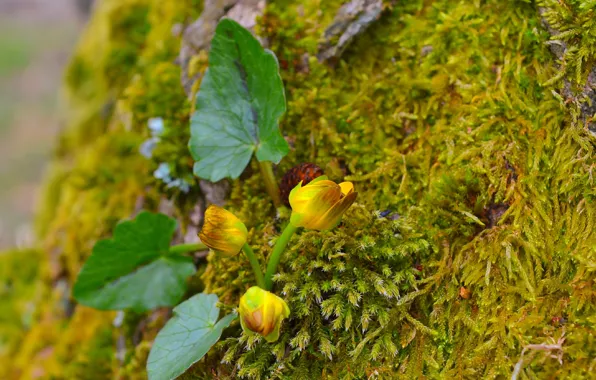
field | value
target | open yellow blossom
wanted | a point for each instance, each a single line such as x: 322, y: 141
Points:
x: 223, y: 232
x: 320, y: 204
x: 262, y: 312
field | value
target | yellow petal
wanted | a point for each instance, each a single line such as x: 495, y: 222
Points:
x: 262, y: 312
x: 334, y: 215
x: 319, y: 178
x: 313, y: 209
x: 293, y: 192
x: 320, y: 204
x: 303, y: 198
x: 346, y: 187
x: 223, y: 231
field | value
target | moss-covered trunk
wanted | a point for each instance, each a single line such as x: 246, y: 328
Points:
x: 471, y: 250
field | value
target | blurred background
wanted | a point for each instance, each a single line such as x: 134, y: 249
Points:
x: 36, y: 38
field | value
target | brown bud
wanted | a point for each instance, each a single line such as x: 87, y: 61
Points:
x: 304, y: 172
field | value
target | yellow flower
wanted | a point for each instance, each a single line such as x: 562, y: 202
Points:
x: 320, y: 204
x: 262, y: 312
x: 223, y: 232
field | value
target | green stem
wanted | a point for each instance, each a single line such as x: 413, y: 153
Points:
x: 278, y: 250
x: 270, y: 182
x: 254, y: 263
x: 181, y: 249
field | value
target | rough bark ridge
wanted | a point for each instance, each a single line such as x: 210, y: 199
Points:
x: 470, y: 253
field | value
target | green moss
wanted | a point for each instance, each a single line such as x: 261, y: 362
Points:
x: 466, y: 145
x: 19, y: 270
x: 473, y: 233
x: 158, y: 94
x: 77, y: 74
x: 575, y: 24
x: 129, y: 27
x: 348, y: 292
x: 100, y: 69
x: 121, y: 74
x: 95, y: 362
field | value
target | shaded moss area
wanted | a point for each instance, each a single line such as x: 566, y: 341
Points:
x: 19, y: 271
x: 472, y: 236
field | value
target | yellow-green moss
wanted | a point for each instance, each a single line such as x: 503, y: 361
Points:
x: 19, y: 272
x: 100, y: 177
x: 465, y: 142
x: 473, y: 233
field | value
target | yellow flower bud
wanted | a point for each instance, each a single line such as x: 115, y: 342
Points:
x: 223, y: 232
x: 262, y: 312
x: 320, y: 204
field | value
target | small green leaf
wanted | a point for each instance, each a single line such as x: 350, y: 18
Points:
x: 238, y: 106
x: 133, y: 270
x: 187, y: 337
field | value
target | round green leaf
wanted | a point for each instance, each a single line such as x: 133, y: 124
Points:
x: 186, y: 337
x: 134, y: 270
x: 238, y: 106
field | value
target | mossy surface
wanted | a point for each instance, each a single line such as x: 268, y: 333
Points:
x: 19, y: 272
x: 473, y: 233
